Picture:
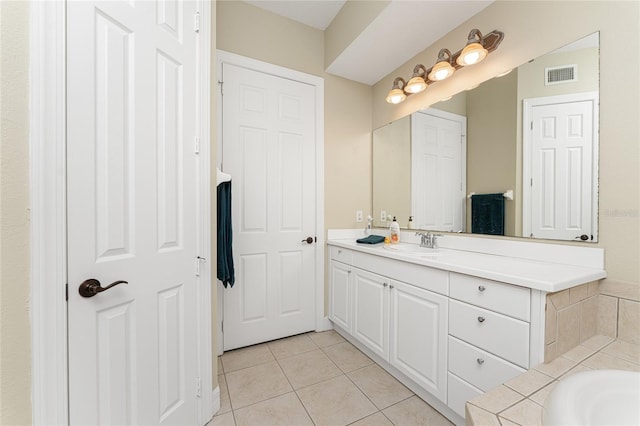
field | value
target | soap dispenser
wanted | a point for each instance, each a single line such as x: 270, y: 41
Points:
x: 394, y: 231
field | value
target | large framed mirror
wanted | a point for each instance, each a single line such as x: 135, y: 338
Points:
x: 516, y: 156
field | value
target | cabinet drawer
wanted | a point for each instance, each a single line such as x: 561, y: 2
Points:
x: 481, y: 369
x: 459, y: 392
x: 341, y: 254
x: 498, y: 334
x: 500, y: 297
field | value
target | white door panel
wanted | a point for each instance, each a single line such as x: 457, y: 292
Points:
x: 131, y: 110
x: 561, y: 168
x: 269, y: 150
x: 437, y: 172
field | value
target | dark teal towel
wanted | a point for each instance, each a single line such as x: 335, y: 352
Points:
x: 371, y: 239
x: 487, y: 214
x: 226, y: 272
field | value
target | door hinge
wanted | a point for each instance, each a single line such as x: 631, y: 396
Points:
x: 66, y: 292
x: 222, y: 326
x: 532, y: 125
x: 196, y: 22
x: 199, y: 260
x: 198, y: 387
x: 196, y: 147
x: 531, y: 182
x: 221, y: 84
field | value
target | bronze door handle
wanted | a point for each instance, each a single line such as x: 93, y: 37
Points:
x: 91, y: 287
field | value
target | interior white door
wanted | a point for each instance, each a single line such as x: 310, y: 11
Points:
x: 562, y: 170
x: 437, y: 172
x: 131, y: 110
x: 268, y: 139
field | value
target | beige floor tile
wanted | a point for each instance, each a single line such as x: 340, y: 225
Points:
x: 347, y: 357
x: 529, y: 382
x: 246, y: 357
x: 525, y: 412
x: 579, y: 353
x: 290, y: 346
x: 326, y: 338
x: 505, y: 422
x: 577, y: 369
x: 601, y: 361
x: 414, y: 412
x: 480, y: 417
x: 225, y: 402
x: 540, y: 396
x: 225, y: 419
x: 309, y: 368
x: 255, y: 384
x: 624, y: 350
x: 377, y: 419
x: 497, y: 399
x: 220, y: 367
x: 597, y: 342
x: 629, y: 321
x: 557, y: 367
x: 335, y: 402
x: 283, y: 410
x: 379, y: 386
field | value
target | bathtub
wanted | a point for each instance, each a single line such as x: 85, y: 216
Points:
x: 598, y: 397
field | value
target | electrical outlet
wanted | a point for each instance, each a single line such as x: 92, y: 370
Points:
x: 358, y: 215
x: 383, y: 215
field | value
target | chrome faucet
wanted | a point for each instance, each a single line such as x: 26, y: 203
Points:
x: 428, y: 240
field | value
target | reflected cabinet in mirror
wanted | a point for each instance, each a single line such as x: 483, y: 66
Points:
x: 515, y: 156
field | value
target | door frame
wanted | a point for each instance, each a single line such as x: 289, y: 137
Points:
x: 322, y: 322
x: 527, y: 145
x: 48, y: 239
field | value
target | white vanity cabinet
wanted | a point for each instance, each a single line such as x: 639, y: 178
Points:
x: 489, y: 336
x: 418, y: 336
x: 371, y: 311
x: 340, y: 294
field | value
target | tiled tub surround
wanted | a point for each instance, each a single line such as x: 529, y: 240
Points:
x: 482, y: 299
x: 520, y: 400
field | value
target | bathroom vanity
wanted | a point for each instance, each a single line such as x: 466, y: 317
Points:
x: 454, y: 322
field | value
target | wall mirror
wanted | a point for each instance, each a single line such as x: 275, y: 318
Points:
x: 516, y: 156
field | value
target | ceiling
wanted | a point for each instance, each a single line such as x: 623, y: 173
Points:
x: 384, y: 44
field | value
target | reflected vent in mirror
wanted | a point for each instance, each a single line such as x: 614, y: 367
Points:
x: 558, y: 75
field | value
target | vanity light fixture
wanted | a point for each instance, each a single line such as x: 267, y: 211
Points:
x: 396, y: 94
x: 443, y: 68
x: 476, y: 49
x: 417, y: 83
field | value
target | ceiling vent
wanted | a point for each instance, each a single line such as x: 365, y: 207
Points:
x: 558, y: 75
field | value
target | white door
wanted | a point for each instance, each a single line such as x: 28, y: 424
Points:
x: 371, y: 311
x: 268, y: 145
x: 418, y: 336
x: 438, y: 171
x: 562, y: 177
x: 131, y: 111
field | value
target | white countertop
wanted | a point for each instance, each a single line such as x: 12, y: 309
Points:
x: 539, y: 275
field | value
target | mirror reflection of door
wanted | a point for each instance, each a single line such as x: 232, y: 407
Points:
x: 560, y: 167
x: 438, y: 159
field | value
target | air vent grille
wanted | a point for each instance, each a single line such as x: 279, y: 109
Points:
x: 558, y: 75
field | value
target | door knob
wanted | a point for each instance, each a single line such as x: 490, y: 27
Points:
x: 91, y: 287
x: 583, y: 237
x: 308, y: 240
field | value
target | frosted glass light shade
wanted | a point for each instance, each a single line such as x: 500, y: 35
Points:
x: 415, y: 85
x: 472, y: 54
x: 440, y: 71
x: 396, y: 96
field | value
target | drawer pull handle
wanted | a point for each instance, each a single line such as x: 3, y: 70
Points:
x: 348, y: 272
x: 480, y: 319
x: 384, y: 284
x: 339, y: 251
x: 481, y: 288
x: 391, y: 286
x: 480, y: 361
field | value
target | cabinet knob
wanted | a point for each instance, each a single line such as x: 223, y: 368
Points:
x: 480, y: 319
x: 384, y: 284
x: 349, y: 271
x: 391, y: 286
x: 339, y: 251
x: 481, y: 288
x: 480, y: 361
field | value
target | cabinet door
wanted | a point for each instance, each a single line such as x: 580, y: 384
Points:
x: 418, y: 336
x: 340, y: 295
x: 371, y: 311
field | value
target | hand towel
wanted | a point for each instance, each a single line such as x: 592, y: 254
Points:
x: 371, y: 239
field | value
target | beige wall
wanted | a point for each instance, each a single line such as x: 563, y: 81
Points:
x: 15, y: 334
x: 533, y: 28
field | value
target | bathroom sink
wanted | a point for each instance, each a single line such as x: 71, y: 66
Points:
x: 599, y: 397
x: 413, y: 249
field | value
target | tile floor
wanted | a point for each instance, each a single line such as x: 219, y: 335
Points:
x: 313, y: 379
